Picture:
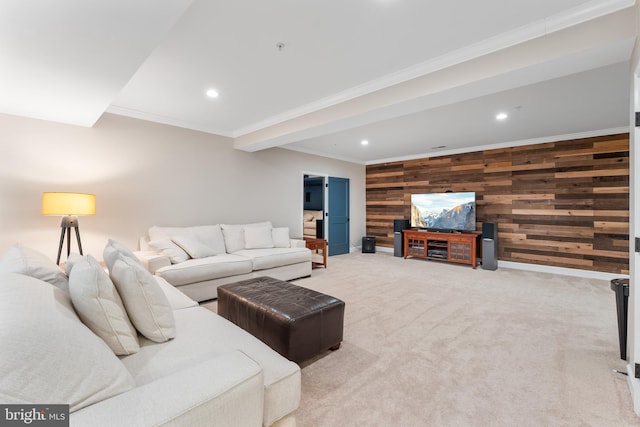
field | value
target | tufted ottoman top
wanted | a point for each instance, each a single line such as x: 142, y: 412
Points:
x: 295, y: 321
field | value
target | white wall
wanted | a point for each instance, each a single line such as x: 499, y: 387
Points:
x: 146, y: 174
x: 633, y: 324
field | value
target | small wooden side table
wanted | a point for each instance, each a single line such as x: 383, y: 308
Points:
x: 317, y: 245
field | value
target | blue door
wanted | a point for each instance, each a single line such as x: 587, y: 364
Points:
x: 338, y: 216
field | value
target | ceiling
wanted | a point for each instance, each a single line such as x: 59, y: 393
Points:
x: 415, y: 78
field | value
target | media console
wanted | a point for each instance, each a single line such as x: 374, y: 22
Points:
x: 453, y: 247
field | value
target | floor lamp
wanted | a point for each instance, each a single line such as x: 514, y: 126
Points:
x: 69, y: 205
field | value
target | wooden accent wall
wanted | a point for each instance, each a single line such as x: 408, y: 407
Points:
x: 562, y: 204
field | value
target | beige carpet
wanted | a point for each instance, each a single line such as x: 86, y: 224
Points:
x: 435, y: 344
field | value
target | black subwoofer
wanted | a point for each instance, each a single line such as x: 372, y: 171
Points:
x: 368, y: 245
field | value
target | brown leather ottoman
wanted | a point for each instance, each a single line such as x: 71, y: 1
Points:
x: 298, y: 323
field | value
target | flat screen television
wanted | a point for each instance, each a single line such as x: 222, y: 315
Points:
x: 444, y: 211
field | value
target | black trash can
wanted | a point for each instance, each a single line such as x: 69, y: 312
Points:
x: 621, y: 288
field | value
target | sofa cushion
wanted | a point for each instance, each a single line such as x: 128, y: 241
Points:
x: 263, y: 259
x: 281, y: 237
x: 200, y: 330
x: 193, y: 247
x: 176, y: 299
x: 234, y: 234
x: 170, y: 249
x: 210, y: 235
x: 48, y: 355
x: 258, y: 237
x: 27, y: 261
x: 112, y: 252
x: 198, y: 270
x: 225, y: 390
x: 146, y: 304
x: 99, y: 306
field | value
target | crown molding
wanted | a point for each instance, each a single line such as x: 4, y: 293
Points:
x: 156, y: 118
x: 532, y: 141
x: 321, y: 154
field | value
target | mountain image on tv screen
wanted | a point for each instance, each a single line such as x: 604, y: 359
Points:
x: 444, y: 211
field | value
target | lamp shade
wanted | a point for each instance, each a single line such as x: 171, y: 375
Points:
x: 68, y: 204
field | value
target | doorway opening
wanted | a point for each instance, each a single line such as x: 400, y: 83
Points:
x: 314, y: 206
x: 325, y: 211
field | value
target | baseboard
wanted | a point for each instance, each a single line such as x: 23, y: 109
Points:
x: 384, y: 249
x: 588, y: 274
x: 634, y: 387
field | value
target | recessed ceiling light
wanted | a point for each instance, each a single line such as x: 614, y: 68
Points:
x: 501, y: 116
x: 212, y: 93
x: 364, y: 142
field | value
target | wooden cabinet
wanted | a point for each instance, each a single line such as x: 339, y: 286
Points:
x: 320, y: 248
x: 452, y: 247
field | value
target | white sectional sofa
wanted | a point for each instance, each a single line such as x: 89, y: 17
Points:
x: 69, y: 340
x: 198, y: 259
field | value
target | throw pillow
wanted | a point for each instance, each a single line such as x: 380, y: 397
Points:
x: 146, y: 304
x: 257, y: 238
x: 112, y: 251
x: 210, y: 235
x: 48, y: 354
x: 194, y: 247
x: 99, y: 306
x: 168, y: 248
x: 281, y: 237
x: 27, y: 261
x: 234, y: 235
x: 71, y: 261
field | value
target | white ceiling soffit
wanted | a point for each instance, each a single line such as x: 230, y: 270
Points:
x: 66, y: 60
x: 345, y: 66
x: 542, y: 54
x: 335, y: 51
x: 583, y: 104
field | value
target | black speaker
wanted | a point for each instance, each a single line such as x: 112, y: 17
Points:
x: 489, y: 230
x: 398, y: 238
x: 489, y: 246
x: 368, y: 245
x: 400, y: 224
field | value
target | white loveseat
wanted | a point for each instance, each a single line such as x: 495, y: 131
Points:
x: 198, y: 259
x: 55, y: 351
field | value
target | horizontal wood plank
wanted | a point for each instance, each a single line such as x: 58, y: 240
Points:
x: 562, y: 203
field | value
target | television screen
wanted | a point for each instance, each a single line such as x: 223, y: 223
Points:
x: 444, y: 211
